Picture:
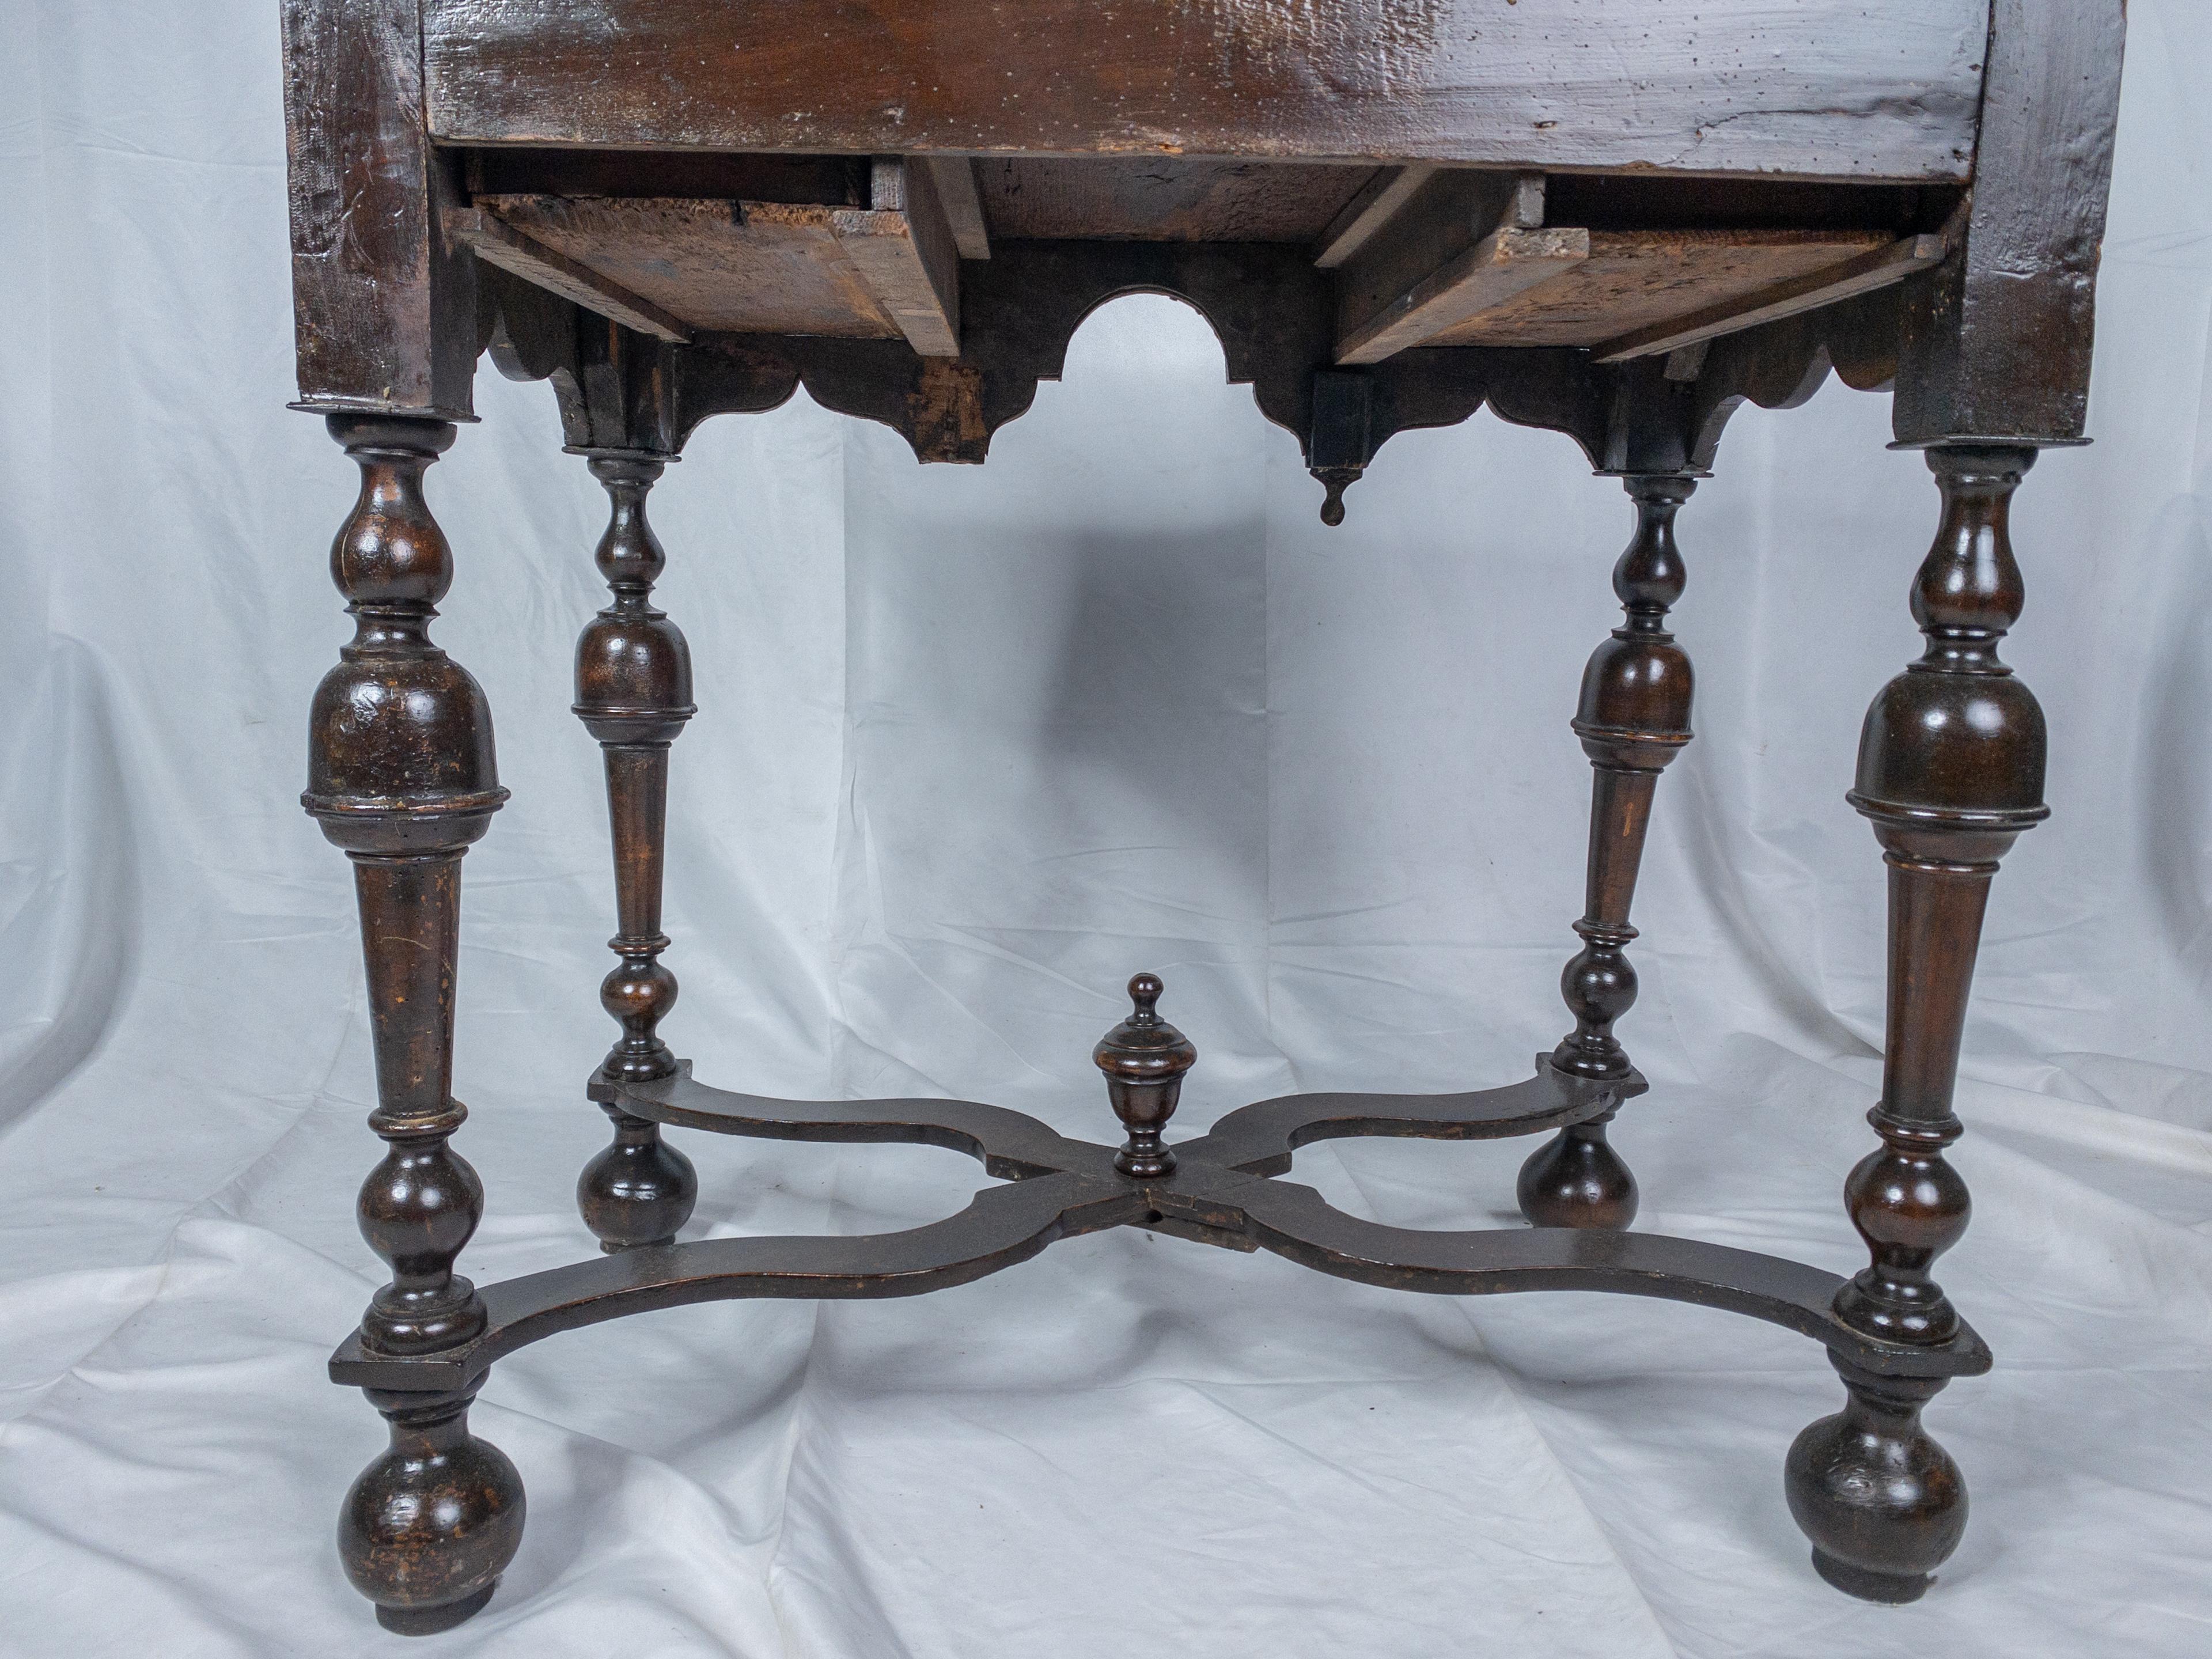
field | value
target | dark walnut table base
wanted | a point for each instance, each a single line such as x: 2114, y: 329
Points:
x: 1620, y: 226
x: 429, y: 1526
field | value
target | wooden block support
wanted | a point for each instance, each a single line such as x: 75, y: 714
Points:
x: 502, y: 245
x: 1464, y: 243
x: 1365, y: 213
x: 904, y: 251
x: 1786, y: 298
x: 955, y: 179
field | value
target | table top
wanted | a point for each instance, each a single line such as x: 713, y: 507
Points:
x: 1817, y: 89
x: 908, y: 205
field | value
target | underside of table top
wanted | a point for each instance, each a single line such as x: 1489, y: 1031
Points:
x: 1613, y: 219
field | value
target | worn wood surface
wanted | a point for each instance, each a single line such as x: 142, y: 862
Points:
x: 1387, y: 190
x: 1824, y: 285
x: 1997, y: 340
x: 763, y: 267
x: 671, y: 266
x: 1503, y: 266
x: 1639, y: 279
x: 1162, y: 198
x: 904, y: 249
x: 1862, y: 89
x: 383, y: 308
x: 1459, y: 243
x: 492, y: 239
x: 956, y: 193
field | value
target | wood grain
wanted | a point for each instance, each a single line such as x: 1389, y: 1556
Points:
x: 1162, y: 198
x: 1504, y: 266
x: 495, y: 241
x: 1462, y: 242
x: 1997, y: 341
x: 383, y: 309
x: 754, y: 267
x: 1823, y: 89
x: 1387, y: 190
x: 1635, y: 279
x: 903, y: 250
x: 1822, y: 286
x: 955, y: 179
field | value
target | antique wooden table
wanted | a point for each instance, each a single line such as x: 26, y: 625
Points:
x: 1617, y: 219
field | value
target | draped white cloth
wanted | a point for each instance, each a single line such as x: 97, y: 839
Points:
x: 974, y: 746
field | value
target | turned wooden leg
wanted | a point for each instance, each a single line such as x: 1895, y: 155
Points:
x: 1633, y: 716
x: 633, y: 694
x: 1950, y: 771
x: 401, y: 774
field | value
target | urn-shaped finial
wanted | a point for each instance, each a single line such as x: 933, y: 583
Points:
x: 1144, y: 1058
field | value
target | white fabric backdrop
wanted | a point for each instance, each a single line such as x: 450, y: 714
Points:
x: 974, y: 745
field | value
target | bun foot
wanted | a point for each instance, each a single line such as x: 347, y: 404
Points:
x: 1883, y: 1504
x: 1893, y: 1588
x: 1576, y: 1180
x: 428, y: 1621
x: 429, y: 1526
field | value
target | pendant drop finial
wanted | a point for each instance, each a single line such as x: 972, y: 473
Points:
x: 1335, y: 480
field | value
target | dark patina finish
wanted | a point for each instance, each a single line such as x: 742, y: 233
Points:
x: 1621, y: 227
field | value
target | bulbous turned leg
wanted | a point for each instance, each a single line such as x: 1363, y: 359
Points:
x: 1634, y: 716
x: 429, y: 1526
x: 1950, y: 772
x: 1882, y: 1502
x: 634, y: 695
x: 401, y: 774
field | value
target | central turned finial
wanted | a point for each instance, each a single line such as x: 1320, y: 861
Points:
x: 1144, y: 1058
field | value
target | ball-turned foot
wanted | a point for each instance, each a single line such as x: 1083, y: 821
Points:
x: 429, y: 1526
x: 1883, y: 1504
x: 639, y: 1190
x: 1576, y: 1180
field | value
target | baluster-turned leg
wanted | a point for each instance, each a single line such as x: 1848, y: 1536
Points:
x: 1950, y: 771
x: 1633, y: 716
x: 401, y: 774
x: 633, y: 694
